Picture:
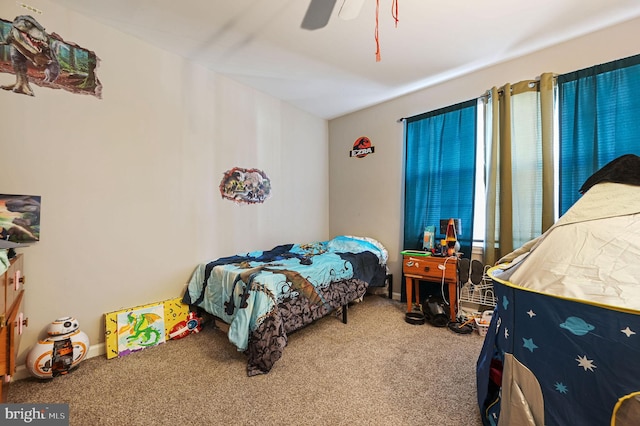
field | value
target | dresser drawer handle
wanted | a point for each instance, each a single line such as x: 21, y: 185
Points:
x: 16, y: 280
x: 426, y: 269
x: 21, y: 323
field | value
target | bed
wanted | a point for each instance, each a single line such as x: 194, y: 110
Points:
x: 264, y: 296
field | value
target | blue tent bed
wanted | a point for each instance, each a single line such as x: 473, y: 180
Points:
x: 564, y: 342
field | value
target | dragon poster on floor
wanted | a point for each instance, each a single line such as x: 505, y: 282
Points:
x: 133, y: 329
x: 35, y: 56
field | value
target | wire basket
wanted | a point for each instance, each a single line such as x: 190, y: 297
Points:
x: 482, y: 323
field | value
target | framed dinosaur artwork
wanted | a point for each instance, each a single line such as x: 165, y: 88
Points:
x: 35, y: 56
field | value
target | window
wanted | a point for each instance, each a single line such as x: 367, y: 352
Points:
x: 593, y: 121
x: 599, y: 110
x: 440, y: 172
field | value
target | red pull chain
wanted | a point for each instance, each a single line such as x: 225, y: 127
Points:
x: 394, y: 14
x: 394, y: 11
x: 376, y: 31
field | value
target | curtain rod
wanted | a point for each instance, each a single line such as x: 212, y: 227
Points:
x: 454, y: 107
x: 485, y: 95
x: 501, y: 90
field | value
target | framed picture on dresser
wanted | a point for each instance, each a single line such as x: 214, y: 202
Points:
x: 20, y: 218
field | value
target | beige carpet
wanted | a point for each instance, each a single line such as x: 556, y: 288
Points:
x: 375, y: 370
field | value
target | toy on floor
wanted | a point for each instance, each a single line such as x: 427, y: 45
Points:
x: 192, y: 324
x: 63, y: 350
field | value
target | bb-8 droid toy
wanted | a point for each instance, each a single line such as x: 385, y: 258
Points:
x: 63, y: 350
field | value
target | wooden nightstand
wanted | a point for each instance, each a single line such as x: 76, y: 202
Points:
x: 433, y: 269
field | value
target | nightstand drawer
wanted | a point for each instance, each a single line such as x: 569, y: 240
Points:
x: 430, y: 268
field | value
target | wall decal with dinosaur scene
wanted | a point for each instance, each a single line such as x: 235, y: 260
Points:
x: 46, y: 60
x: 247, y: 186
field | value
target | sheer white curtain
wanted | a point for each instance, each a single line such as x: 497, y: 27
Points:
x: 519, y: 172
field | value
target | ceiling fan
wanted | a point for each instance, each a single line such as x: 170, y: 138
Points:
x: 319, y: 12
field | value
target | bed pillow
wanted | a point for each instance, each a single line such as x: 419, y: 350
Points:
x: 351, y: 244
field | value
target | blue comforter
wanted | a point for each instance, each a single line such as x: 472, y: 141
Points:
x: 263, y: 295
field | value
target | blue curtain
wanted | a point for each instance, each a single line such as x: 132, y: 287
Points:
x: 599, y: 121
x: 440, y: 148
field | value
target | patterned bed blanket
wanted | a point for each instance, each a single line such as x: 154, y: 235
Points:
x: 265, y: 295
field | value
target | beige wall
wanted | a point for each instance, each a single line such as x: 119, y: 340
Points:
x: 366, y: 194
x: 129, y: 183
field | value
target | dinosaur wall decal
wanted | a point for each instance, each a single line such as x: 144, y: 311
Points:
x: 37, y: 57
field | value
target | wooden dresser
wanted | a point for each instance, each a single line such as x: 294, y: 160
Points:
x: 12, y: 320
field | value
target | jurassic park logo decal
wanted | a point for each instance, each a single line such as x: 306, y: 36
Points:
x: 362, y: 147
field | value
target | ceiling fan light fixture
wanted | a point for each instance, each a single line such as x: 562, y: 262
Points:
x: 318, y: 14
x: 350, y: 9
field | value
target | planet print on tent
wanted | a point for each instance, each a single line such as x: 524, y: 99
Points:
x: 577, y: 326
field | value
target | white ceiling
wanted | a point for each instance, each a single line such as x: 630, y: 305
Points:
x: 332, y: 71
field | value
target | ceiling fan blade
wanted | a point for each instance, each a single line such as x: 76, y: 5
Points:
x: 350, y: 9
x: 318, y: 14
